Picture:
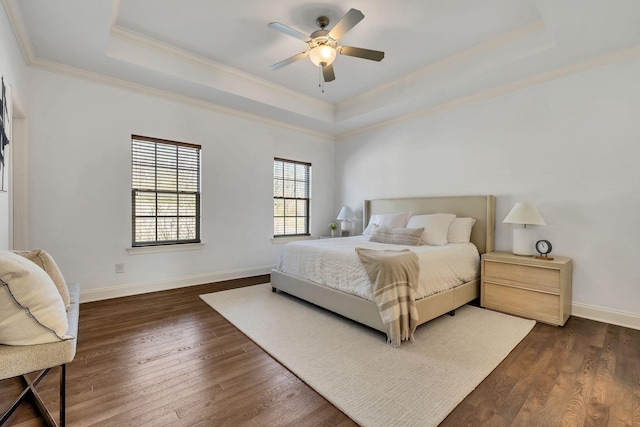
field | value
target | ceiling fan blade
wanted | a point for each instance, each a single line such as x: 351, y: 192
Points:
x: 288, y: 61
x: 289, y: 31
x: 374, y: 55
x: 327, y: 73
x: 347, y: 22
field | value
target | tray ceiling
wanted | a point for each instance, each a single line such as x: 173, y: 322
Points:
x: 438, y: 53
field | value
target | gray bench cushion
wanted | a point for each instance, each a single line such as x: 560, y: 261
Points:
x: 18, y: 360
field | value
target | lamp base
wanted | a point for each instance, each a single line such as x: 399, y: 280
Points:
x: 523, y: 241
x: 345, y: 228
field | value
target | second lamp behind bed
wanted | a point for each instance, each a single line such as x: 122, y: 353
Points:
x: 346, y: 215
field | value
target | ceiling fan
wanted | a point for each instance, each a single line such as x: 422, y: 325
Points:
x: 323, y: 44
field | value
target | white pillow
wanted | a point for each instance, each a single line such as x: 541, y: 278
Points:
x: 31, y: 306
x: 436, y: 227
x: 390, y: 220
x: 46, y: 262
x: 460, y: 230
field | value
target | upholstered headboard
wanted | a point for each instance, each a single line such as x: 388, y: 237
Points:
x: 482, y: 208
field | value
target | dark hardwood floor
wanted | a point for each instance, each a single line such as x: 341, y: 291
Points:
x: 168, y: 359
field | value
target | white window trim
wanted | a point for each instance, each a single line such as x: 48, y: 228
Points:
x: 287, y: 239
x: 180, y: 247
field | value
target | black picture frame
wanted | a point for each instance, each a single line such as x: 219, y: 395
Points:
x: 4, y: 129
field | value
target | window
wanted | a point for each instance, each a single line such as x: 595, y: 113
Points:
x: 291, y: 197
x: 165, y: 193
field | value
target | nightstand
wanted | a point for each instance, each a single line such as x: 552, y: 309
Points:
x: 526, y: 286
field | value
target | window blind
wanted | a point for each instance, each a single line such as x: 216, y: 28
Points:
x: 165, y: 191
x: 291, y: 197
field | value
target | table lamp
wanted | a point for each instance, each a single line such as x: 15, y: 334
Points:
x: 346, y: 214
x: 523, y: 213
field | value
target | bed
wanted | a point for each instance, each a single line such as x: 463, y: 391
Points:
x: 365, y: 311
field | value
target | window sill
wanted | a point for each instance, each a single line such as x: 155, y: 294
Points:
x: 165, y: 248
x: 287, y: 239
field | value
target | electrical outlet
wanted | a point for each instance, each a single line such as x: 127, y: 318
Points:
x: 119, y: 268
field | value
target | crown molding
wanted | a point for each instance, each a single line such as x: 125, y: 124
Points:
x: 115, y: 12
x: 67, y: 70
x: 481, y: 48
x: 19, y: 30
x: 24, y: 43
x: 13, y: 13
x: 537, y: 79
x: 145, y: 52
x: 143, y: 42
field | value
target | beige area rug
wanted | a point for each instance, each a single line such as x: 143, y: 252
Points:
x: 418, y: 384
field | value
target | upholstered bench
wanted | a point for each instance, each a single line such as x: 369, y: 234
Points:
x: 21, y: 359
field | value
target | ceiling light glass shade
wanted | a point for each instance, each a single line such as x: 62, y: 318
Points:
x: 322, y: 54
x: 524, y: 213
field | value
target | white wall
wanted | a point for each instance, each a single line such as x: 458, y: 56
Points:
x: 571, y: 147
x: 13, y: 69
x: 80, y: 185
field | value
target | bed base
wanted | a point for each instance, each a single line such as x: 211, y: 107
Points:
x: 366, y: 312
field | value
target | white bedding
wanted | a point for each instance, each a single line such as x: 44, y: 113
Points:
x: 335, y: 263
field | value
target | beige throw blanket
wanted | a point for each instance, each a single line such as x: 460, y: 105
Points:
x: 394, y: 277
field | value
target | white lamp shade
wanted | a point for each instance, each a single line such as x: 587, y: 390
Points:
x: 524, y: 213
x: 322, y: 54
x: 346, y: 213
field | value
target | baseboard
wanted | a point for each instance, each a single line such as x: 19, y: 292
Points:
x: 620, y: 318
x: 600, y: 314
x: 163, y: 285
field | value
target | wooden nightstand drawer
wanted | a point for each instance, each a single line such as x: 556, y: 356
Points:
x: 526, y: 286
x: 544, y: 278
x: 522, y: 302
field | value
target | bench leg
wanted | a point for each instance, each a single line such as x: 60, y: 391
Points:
x: 13, y: 407
x: 63, y: 395
x: 30, y: 390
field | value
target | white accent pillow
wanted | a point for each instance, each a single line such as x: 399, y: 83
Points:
x: 460, y: 230
x: 47, y: 263
x: 436, y: 227
x: 390, y: 220
x: 31, y: 306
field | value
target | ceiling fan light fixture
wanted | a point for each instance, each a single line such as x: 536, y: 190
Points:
x: 323, y: 44
x: 322, y: 55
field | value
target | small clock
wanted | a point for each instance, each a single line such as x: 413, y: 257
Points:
x: 544, y: 249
